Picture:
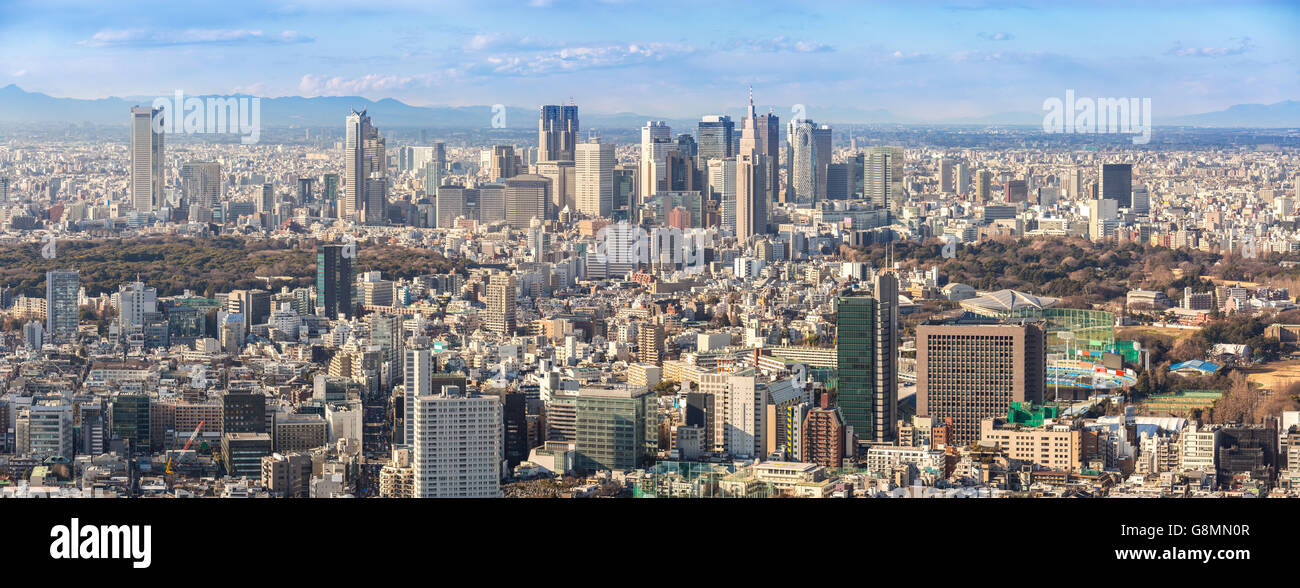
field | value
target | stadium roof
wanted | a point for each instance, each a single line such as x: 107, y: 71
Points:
x: 1005, y: 301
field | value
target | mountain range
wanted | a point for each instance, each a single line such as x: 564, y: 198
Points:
x: 20, y: 106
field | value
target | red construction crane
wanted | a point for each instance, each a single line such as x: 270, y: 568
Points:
x: 193, y: 435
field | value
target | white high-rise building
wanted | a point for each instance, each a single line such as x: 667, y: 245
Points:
x: 456, y: 444
x: 146, y: 160
x: 656, y: 142
x: 132, y: 301
x: 595, y: 178
x: 722, y: 187
x: 740, y: 414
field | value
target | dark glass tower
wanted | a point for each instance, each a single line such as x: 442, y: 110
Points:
x: 333, y: 281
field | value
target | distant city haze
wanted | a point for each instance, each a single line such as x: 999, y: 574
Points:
x: 888, y: 62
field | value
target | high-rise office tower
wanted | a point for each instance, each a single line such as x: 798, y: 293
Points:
x: 801, y: 161
x: 653, y: 154
x: 456, y: 444
x: 243, y: 411
x: 330, y: 193
x: 963, y: 178
x: 561, y: 176
x: 4, y: 189
x: 715, y: 137
x: 752, y: 167
x: 739, y: 402
x: 449, y: 205
x: 1015, y: 191
x: 557, y: 133
x: 1116, y: 183
x: 363, y: 160
x: 132, y: 302
x: 44, y: 429
x: 201, y: 188
x: 883, y: 176
x: 61, y: 314
x: 722, y: 188
x: 983, y: 180
x: 615, y: 427
x: 500, y: 315
x: 947, y: 185
x: 764, y: 138
x: 253, y: 305
x: 491, y: 203
x: 526, y: 198
x: 146, y: 159
x: 432, y: 179
x: 970, y: 372
x: 867, y: 348
x: 503, y: 164
x: 808, y: 156
x: 1102, y: 218
x: 333, y: 282
x: 594, y: 181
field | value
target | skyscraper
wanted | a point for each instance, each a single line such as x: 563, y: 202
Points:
x: 1116, y: 183
x: 801, y: 159
x: 970, y: 372
x: 883, y: 176
x: 363, y: 160
x: 715, y: 137
x: 616, y: 427
x: 557, y: 133
x: 765, y: 140
x: 503, y: 164
x: 751, y: 178
x: 656, y: 143
x: 947, y: 183
x: 983, y: 179
x: 456, y: 444
x: 526, y: 198
x: 449, y: 205
x: 333, y: 282
x: 146, y: 159
x: 61, y: 290
x: 500, y: 315
x: 594, y: 181
x: 867, y: 348
x: 201, y: 188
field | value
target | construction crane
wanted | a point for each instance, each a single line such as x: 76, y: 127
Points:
x: 193, y: 435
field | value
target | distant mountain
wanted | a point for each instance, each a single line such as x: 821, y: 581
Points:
x: 1284, y: 114
x: 20, y: 106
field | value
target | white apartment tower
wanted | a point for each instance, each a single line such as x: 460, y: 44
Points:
x: 456, y: 444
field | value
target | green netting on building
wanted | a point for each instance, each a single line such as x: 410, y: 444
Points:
x: 1093, y: 330
x: 1025, y: 413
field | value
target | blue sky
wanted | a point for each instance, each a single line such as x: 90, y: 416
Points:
x: 923, y: 60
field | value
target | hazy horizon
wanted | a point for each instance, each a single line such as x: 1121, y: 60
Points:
x: 927, y: 62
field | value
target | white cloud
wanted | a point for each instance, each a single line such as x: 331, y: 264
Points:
x: 314, y: 85
x: 145, y: 38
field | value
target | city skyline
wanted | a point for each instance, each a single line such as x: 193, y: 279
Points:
x: 933, y: 62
